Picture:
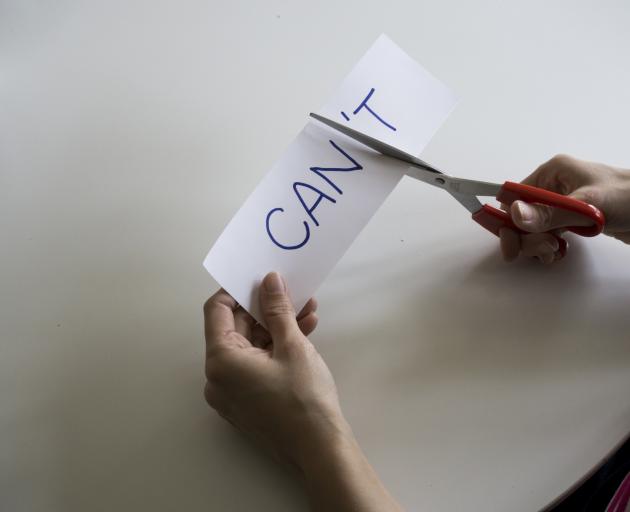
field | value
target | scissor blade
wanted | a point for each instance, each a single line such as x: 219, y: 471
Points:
x: 463, y: 190
x: 375, y: 144
x: 471, y: 203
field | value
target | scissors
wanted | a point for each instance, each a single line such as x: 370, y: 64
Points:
x: 466, y: 191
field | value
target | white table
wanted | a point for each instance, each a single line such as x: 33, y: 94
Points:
x: 131, y: 132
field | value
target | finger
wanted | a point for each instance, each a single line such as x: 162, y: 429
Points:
x: 547, y: 176
x: 538, y: 218
x: 278, y: 310
x: 309, y: 307
x: 243, y: 322
x: 560, y: 174
x: 547, y: 258
x: 260, y: 337
x: 542, y: 246
x: 308, y: 324
x: 510, y: 244
x: 220, y: 324
x: 218, y: 317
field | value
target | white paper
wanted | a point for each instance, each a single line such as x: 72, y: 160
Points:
x: 406, y: 96
x: 340, y: 181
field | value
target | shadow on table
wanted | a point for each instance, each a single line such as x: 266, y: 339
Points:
x: 484, y: 354
x: 484, y: 314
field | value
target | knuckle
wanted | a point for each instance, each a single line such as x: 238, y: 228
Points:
x: 545, y: 216
x: 215, y: 372
x: 208, y: 305
x: 291, y: 344
x: 214, y: 375
x: 560, y: 161
x: 211, y: 396
x: 279, y: 308
x: 308, y: 348
x: 591, y: 195
x: 300, y: 346
x: 208, y: 371
x: 216, y: 400
x: 294, y: 348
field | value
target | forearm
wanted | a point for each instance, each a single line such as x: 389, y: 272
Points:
x: 339, y: 477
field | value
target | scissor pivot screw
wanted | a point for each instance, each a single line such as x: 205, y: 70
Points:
x: 441, y: 181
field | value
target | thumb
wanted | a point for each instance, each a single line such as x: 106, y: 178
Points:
x: 538, y: 218
x: 277, y: 308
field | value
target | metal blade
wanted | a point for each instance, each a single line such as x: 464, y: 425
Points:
x: 375, y: 144
x: 457, y: 187
x: 451, y: 185
x: 471, y: 203
x: 464, y: 191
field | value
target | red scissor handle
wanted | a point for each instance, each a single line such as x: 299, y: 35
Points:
x: 511, y: 192
x: 494, y: 219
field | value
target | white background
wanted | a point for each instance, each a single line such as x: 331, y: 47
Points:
x: 130, y: 133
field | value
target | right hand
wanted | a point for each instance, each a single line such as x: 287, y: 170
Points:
x: 607, y: 188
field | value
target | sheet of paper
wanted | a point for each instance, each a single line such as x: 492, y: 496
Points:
x: 323, y: 190
x: 391, y: 97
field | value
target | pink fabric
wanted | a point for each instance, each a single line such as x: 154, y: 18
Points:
x: 621, y: 499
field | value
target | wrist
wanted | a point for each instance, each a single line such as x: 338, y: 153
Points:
x: 339, y: 477
x: 326, y: 438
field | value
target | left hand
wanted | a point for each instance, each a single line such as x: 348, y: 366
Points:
x: 275, y: 386
x: 272, y: 384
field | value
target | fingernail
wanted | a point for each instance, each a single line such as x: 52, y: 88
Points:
x: 524, y: 212
x: 274, y: 283
x: 548, y: 247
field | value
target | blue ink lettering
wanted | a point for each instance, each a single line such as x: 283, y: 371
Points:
x: 320, y: 170
x: 320, y: 196
x: 287, y: 247
x: 364, y: 104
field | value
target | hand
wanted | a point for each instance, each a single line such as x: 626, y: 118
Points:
x: 271, y: 384
x: 605, y: 187
x: 274, y: 386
